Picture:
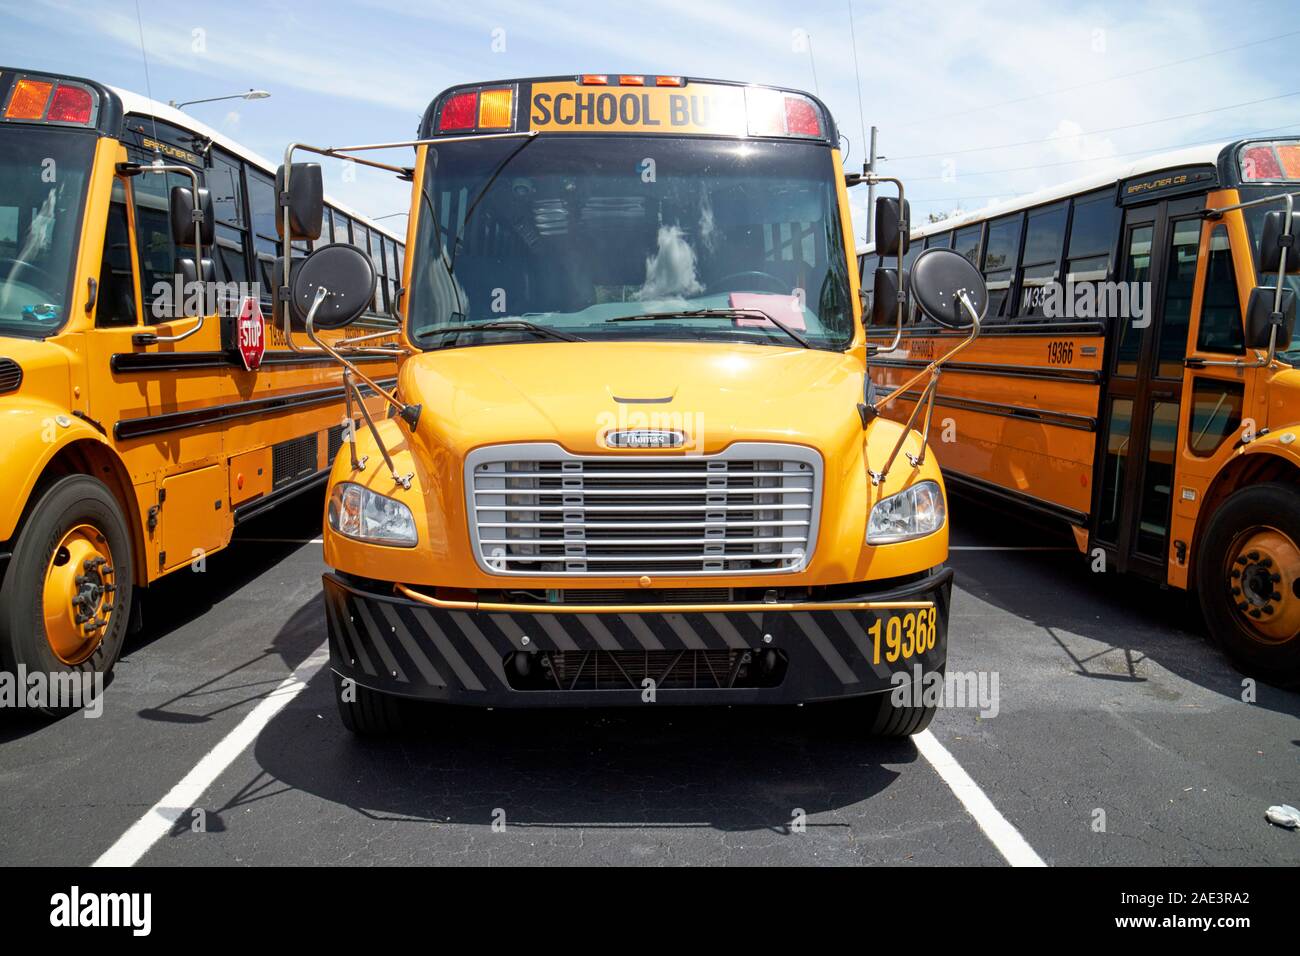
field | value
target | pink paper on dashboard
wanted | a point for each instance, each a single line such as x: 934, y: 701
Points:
x: 785, y: 308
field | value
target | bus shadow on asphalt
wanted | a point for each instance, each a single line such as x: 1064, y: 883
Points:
x: 736, y: 769
x: 176, y: 600
x: 1133, y: 620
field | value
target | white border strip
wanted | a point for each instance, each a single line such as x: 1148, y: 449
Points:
x: 183, y: 797
x: 1006, y: 838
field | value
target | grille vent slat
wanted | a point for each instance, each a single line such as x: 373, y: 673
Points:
x: 538, y: 511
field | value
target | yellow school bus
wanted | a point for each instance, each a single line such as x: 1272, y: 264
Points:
x: 631, y: 455
x: 1135, y: 377
x: 135, y: 437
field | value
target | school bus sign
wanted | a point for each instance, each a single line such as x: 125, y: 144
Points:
x: 569, y: 107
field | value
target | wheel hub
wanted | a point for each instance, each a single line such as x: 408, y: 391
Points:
x: 1264, y: 582
x: 78, y: 595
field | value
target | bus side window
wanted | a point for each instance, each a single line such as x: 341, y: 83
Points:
x: 261, y: 205
x: 1040, y: 262
x: 1180, y: 278
x: 1221, y: 326
x: 967, y: 242
x: 394, y: 270
x: 1000, y: 257
x: 225, y: 185
x: 151, y: 193
x: 1216, y: 414
x: 1094, y: 231
x: 115, y: 300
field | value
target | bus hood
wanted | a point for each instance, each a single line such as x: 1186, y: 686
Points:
x: 574, y: 393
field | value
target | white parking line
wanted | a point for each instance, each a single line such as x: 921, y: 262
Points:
x: 183, y: 797
x: 1006, y: 838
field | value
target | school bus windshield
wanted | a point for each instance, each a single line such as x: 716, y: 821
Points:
x: 42, y: 185
x: 572, y: 232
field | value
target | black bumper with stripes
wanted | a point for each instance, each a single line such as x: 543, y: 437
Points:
x: 495, y: 658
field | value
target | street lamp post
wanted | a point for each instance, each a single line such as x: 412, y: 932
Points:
x: 250, y: 95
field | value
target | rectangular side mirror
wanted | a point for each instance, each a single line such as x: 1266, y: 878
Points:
x: 884, y: 298
x: 181, y: 207
x: 1260, y: 319
x: 306, y: 201
x: 1271, y: 240
x: 892, y: 226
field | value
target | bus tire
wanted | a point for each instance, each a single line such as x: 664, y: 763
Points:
x: 872, y: 716
x: 893, y: 721
x: 366, y: 712
x: 1248, y: 580
x: 66, y: 597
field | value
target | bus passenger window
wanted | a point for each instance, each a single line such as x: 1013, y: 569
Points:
x: 1000, y: 255
x: 115, y: 300
x: 968, y: 242
x: 1220, y: 308
x: 1216, y: 413
x: 1094, y: 227
x: 1040, y: 262
x: 261, y: 204
x: 225, y: 185
x: 1184, y: 250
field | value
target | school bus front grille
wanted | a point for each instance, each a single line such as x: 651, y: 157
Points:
x: 537, y: 510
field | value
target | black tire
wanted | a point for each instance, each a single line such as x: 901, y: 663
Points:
x: 368, y: 713
x: 65, y: 504
x: 872, y: 716
x: 889, y: 720
x: 1268, y: 505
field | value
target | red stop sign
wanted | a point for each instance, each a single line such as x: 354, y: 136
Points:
x: 250, y: 334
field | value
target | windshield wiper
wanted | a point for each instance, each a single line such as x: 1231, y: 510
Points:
x: 713, y: 314
x: 506, y: 325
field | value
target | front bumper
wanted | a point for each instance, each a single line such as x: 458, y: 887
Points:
x: 727, y: 654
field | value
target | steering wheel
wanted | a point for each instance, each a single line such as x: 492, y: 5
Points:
x: 9, y: 266
x: 780, y: 286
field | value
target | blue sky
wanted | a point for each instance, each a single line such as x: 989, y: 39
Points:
x: 950, y: 84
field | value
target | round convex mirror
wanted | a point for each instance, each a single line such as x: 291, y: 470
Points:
x: 939, y: 277
x: 348, y: 275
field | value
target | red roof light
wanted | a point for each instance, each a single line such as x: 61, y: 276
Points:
x: 801, y: 117
x: 459, y: 112
x: 72, y: 104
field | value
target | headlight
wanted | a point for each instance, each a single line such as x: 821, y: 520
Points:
x: 912, y: 513
x: 362, y: 514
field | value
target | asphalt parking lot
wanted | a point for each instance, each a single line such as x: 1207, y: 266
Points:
x: 1120, y: 737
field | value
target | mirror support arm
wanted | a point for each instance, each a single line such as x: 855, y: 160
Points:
x: 409, y: 413
x: 926, y: 398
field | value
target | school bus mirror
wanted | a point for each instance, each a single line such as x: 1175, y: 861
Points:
x: 189, y: 273
x: 939, y: 279
x: 884, y: 297
x: 348, y: 276
x: 305, y: 199
x: 1274, y: 238
x: 892, y: 224
x: 1261, y: 319
x: 182, y: 211
x: 281, y: 293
